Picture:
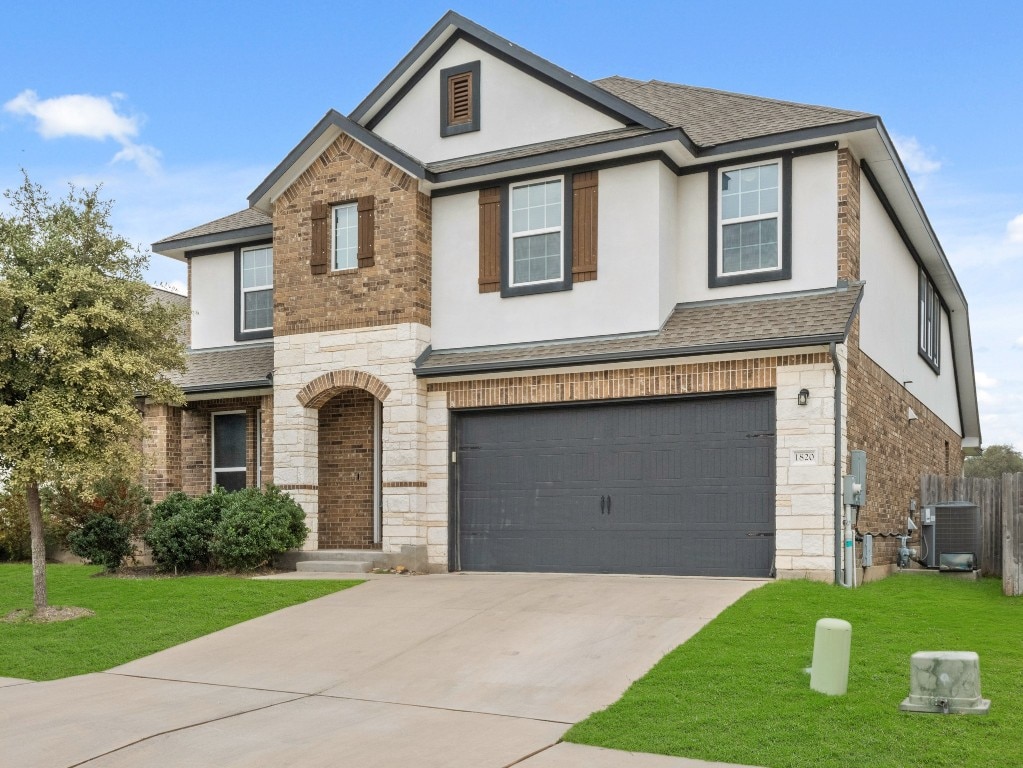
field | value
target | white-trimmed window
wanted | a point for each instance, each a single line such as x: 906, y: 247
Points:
x: 345, y: 236
x: 230, y: 439
x: 929, y: 318
x: 536, y: 250
x: 257, y: 283
x: 749, y: 219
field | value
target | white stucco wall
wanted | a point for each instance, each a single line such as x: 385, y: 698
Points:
x: 667, y: 241
x: 889, y: 313
x: 633, y: 233
x: 814, y: 233
x: 212, y: 300
x: 515, y: 109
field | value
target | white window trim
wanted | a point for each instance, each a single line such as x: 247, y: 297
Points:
x: 560, y: 229
x: 929, y: 322
x: 255, y: 288
x: 354, y: 204
x: 214, y: 469
x: 741, y: 219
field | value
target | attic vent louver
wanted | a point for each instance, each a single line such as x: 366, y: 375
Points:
x: 460, y: 99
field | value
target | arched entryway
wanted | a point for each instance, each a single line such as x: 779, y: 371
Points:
x: 349, y: 407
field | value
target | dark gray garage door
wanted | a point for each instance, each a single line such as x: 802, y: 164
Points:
x: 680, y: 486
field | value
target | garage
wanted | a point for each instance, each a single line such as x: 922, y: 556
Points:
x: 680, y: 486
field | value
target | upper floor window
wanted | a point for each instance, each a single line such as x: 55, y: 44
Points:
x: 749, y: 235
x: 460, y: 99
x: 537, y: 243
x: 929, y: 336
x: 345, y: 236
x: 257, y: 280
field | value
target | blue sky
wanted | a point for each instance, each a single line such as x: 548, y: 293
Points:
x: 184, y: 107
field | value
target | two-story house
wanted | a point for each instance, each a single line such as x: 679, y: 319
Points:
x: 502, y: 318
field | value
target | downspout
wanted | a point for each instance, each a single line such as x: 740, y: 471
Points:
x: 838, y: 464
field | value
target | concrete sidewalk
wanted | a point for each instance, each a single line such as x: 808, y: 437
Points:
x: 470, y: 670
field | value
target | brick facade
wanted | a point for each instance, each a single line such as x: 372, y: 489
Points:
x: 848, y: 216
x: 395, y: 289
x: 346, y: 471
x: 177, y: 444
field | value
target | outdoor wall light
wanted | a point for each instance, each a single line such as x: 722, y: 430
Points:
x: 803, y: 396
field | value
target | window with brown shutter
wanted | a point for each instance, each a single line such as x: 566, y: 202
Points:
x: 584, y: 226
x: 490, y: 240
x: 319, y: 256
x: 460, y: 99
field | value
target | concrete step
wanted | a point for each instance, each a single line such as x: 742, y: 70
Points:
x: 335, y: 566
x: 290, y: 560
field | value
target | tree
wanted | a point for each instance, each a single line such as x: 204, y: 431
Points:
x: 994, y: 461
x: 80, y: 336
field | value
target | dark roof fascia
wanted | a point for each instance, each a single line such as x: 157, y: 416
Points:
x: 788, y: 137
x: 230, y: 236
x: 202, y: 388
x: 509, y: 52
x: 640, y: 355
x: 564, y: 156
x: 333, y: 118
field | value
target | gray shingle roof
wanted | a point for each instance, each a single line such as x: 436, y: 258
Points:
x: 231, y: 368
x: 250, y: 217
x: 528, y: 150
x: 783, y: 320
x: 174, y: 299
x: 711, y: 117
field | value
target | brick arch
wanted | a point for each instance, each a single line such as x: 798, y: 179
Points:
x: 321, y: 389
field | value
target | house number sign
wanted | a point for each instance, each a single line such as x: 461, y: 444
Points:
x: 804, y: 456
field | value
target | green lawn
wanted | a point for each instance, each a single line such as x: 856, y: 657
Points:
x: 134, y: 617
x: 736, y: 692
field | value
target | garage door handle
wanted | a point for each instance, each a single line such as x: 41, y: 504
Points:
x: 601, y: 505
x: 763, y: 534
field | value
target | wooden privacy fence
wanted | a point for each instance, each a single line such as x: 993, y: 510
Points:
x: 1001, y: 514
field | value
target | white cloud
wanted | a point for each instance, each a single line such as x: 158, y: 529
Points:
x: 985, y: 381
x: 90, y: 117
x: 1014, y: 230
x: 917, y: 159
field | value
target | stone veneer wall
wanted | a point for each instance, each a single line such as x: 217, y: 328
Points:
x: 383, y: 357
x: 396, y: 289
x: 805, y: 497
x: 346, y: 467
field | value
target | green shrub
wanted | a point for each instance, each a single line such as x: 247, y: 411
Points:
x: 179, y: 538
x: 257, y: 525
x: 68, y: 506
x: 102, y: 540
x: 15, y: 536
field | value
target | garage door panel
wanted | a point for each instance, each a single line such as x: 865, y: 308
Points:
x: 691, y: 484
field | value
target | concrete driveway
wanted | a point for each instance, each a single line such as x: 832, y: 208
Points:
x: 474, y: 670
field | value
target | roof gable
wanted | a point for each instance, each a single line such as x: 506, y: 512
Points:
x: 453, y: 27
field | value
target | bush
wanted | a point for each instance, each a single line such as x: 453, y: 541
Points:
x: 15, y: 536
x: 182, y: 530
x: 257, y: 525
x: 69, y: 506
x: 102, y: 540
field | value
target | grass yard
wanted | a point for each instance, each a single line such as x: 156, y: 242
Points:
x: 134, y: 617
x: 736, y: 692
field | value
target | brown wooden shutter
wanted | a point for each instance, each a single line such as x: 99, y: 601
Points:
x: 366, y: 231
x: 460, y: 98
x: 319, y: 257
x: 584, y: 226
x: 490, y: 240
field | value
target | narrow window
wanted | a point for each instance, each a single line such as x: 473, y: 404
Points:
x: 536, y: 232
x: 229, y: 448
x: 929, y: 337
x: 257, y: 288
x: 345, y: 236
x: 749, y: 211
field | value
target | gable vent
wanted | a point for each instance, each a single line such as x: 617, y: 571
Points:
x: 460, y: 98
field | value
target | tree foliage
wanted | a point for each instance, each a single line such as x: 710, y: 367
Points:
x: 994, y: 462
x: 80, y: 337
